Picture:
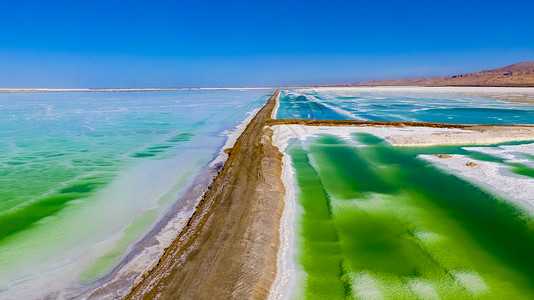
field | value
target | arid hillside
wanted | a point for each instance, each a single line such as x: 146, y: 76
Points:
x: 521, y: 74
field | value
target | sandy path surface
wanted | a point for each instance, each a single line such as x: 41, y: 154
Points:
x: 229, y: 247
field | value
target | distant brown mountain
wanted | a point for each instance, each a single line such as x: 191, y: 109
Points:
x: 521, y: 74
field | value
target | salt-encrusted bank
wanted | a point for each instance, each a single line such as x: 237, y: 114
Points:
x: 487, y: 175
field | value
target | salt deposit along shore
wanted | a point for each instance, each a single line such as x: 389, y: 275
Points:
x: 146, y: 252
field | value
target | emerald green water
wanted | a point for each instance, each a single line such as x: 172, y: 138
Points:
x: 378, y: 222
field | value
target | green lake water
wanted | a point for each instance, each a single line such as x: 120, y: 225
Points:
x: 376, y: 222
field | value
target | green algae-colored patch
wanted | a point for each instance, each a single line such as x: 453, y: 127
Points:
x: 455, y: 149
x: 393, y: 226
x: 105, y: 262
x: 142, y: 154
x: 159, y: 147
x: 528, y: 156
x: 92, y: 163
x: 182, y: 137
x: 522, y: 169
x: 24, y: 217
x: 380, y: 243
x: 14, y: 163
x: 320, y: 255
x: 135, y: 229
x: 517, y: 168
x: 85, y: 187
x: 450, y: 149
x: 155, y: 150
x: 54, y: 155
x: 345, y: 183
x: 20, y: 218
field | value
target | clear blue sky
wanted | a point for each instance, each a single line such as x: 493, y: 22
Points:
x: 71, y: 44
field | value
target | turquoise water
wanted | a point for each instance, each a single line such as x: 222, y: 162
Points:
x: 85, y: 174
x: 404, y: 104
x: 377, y: 222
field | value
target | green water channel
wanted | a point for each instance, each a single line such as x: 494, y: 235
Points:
x: 376, y: 222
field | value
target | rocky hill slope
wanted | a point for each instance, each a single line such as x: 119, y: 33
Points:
x: 521, y: 74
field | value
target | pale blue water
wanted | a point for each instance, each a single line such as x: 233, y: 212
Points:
x: 85, y: 174
x: 465, y: 105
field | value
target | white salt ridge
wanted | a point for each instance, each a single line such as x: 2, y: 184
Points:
x: 511, y: 153
x: 489, y: 176
x: 422, y: 289
x: 285, y: 280
x: 336, y: 109
x: 471, y: 281
x: 366, y: 287
x: 284, y: 133
x: 427, y: 236
x: 276, y: 107
x: 57, y: 268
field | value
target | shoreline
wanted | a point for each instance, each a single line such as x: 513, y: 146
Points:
x: 229, y: 246
x: 285, y: 279
x: 146, y: 252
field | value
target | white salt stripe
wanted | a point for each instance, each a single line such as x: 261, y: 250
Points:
x: 489, y: 176
x: 365, y: 287
x: 471, y: 281
x: 422, y: 289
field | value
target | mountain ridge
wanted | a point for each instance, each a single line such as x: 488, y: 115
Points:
x: 519, y: 74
